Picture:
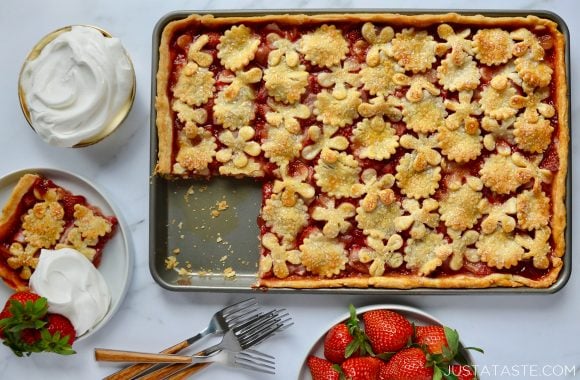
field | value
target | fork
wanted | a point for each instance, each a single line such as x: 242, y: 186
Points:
x: 222, y: 321
x: 239, y: 338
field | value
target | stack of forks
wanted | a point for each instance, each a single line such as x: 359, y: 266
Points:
x: 242, y: 325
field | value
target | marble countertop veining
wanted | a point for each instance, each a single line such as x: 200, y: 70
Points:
x: 528, y: 333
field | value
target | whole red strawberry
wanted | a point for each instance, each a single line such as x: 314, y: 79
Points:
x: 433, y: 337
x: 387, y: 330
x: 410, y: 363
x: 58, y: 324
x: 462, y: 372
x: 321, y: 369
x: 361, y: 368
x: 335, y: 343
x: 21, y: 297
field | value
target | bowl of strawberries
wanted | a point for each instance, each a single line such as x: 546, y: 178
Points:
x: 388, y: 342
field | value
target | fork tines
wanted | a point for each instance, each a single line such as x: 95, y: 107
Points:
x: 249, y: 359
x: 261, y: 327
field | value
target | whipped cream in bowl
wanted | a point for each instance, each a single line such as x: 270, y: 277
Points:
x: 73, y: 287
x: 76, y: 86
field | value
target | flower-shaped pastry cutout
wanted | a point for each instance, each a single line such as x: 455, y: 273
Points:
x: 426, y: 115
x: 497, y: 131
x: 533, y: 137
x: 537, y: 247
x: 381, y: 254
x: 414, y: 51
x: 340, y: 77
x: 279, y: 256
x: 292, y: 185
x: 325, y: 47
x: 417, y: 183
x: 380, y: 222
x: 196, y: 157
x: 492, y: 46
x: 533, y: 209
x: 286, y: 83
x: 458, y: 78
x: 75, y: 240
x: 23, y: 258
x: 498, y: 216
x: 378, y: 42
x: 381, y: 106
x: 460, y: 206
x: 532, y: 164
x: 424, y: 150
x: 190, y: 117
x: 530, y: 63
x: 378, y: 79
x: 334, y: 216
x: 426, y: 254
x: 237, y: 47
x: 462, y: 247
x: 418, y: 217
x: 534, y: 105
x: 287, y: 115
x: 323, y: 255
x: 43, y: 224
x: 499, y: 249
x: 323, y: 139
x: 464, y: 110
x: 460, y: 46
x: 496, y: 99
x: 504, y: 172
x: 281, y: 146
x: 282, y: 50
x: 234, y: 105
x: 90, y: 226
x: 375, y: 139
x: 337, y: 112
x: 195, y: 54
x: 336, y: 173
x: 195, y: 85
x: 418, y: 84
x: 285, y: 221
x: 238, y: 152
x: 375, y: 189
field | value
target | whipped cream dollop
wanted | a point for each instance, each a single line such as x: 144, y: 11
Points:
x: 77, y: 86
x: 73, y: 287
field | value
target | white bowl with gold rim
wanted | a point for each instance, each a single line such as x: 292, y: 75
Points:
x: 76, y: 86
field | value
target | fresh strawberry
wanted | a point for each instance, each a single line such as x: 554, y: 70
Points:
x: 58, y: 325
x: 335, y: 343
x: 346, y: 340
x: 432, y: 337
x: 387, y: 330
x: 462, y: 372
x: 410, y: 363
x: 27, y: 327
x: 322, y: 369
x: 361, y: 368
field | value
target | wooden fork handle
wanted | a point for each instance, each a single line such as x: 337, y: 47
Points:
x: 106, y: 355
x: 174, y: 370
x: 134, y: 370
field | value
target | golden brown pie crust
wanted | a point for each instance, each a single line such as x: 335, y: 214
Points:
x: 384, y: 53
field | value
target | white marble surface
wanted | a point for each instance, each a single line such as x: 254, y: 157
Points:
x: 526, y: 331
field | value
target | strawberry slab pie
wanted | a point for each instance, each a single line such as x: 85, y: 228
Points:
x: 395, y: 151
x: 39, y: 214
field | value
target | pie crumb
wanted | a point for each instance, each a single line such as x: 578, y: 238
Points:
x: 229, y: 272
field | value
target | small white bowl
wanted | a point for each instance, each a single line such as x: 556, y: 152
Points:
x: 115, y: 121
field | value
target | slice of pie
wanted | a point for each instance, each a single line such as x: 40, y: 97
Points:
x: 40, y: 214
x: 396, y: 151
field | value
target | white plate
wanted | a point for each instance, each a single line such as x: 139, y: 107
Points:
x: 419, y: 317
x: 117, y: 259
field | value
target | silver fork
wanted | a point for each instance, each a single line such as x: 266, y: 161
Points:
x: 241, y: 337
x: 220, y: 323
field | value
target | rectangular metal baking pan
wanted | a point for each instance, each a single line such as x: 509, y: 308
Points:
x: 180, y: 214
